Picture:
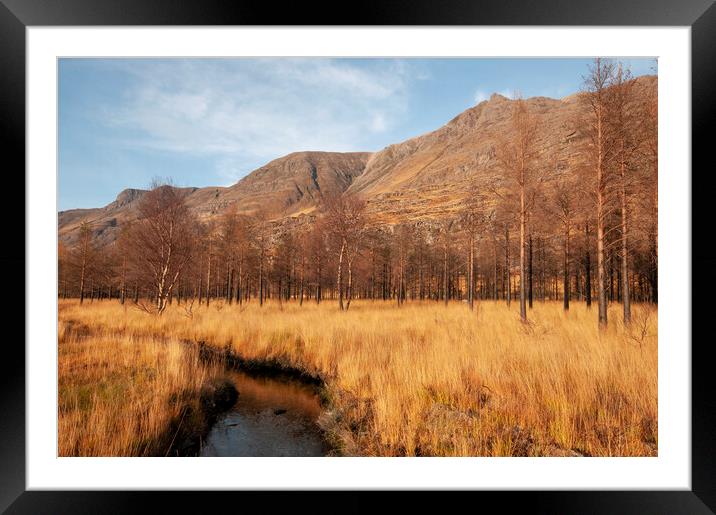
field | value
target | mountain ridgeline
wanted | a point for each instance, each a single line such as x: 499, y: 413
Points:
x: 423, y: 179
x: 290, y: 186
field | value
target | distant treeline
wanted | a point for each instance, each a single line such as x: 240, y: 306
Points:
x: 543, y: 230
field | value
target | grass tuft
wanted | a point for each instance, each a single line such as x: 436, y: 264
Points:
x: 421, y: 379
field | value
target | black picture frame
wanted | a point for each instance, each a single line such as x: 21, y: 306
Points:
x: 16, y: 15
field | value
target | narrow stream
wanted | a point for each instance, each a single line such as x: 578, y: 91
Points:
x: 272, y: 417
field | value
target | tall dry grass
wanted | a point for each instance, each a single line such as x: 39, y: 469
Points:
x: 126, y: 395
x: 425, y: 379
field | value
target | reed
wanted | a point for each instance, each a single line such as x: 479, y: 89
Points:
x: 127, y: 395
x: 420, y: 379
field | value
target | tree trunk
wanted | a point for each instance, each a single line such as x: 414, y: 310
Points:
x: 349, y: 287
x: 543, y: 280
x: 318, y: 280
x: 229, y: 281
x: 494, y: 275
x: 508, y: 295
x: 566, y: 270
x: 445, y: 273
x: 123, y: 291
x: 339, y: 280
x: 653, y: 275
x: 523, y: 222
x: 626, y: 301
x: 530, y: 275
x: 303, y: 273
x: 421, y: 286
x: 587, y: 269
x: 601, y: 272
x: 261, y: 276
x: 208, y: 278
x: 239, y: 297
x: 82, y: 283
x: 471, y: 271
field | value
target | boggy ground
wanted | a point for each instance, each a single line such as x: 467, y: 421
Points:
x: 127, y: 395
x: 420, y: 379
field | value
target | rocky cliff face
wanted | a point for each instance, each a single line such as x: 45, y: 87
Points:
x: 430, y: 175
x: 293, y: 184
x: 420, y: 180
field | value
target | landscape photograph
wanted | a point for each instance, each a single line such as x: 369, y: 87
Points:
x: 357, y: 257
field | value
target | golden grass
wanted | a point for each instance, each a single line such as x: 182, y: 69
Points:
x: 125, y: 395
x: 425, y: 379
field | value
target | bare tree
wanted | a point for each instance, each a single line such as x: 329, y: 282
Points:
x: 472, y: 222
x: 626, y: 146
x: 403, y: 239
x: 317, y: 244
x: 63, y: 269
x: 210, y: 246
x: 517, y: 155
x: 650, y: 143
x: 123, y: 247
x: 161, y: 240
x: 243, y: 239
x: 609, y: 154
x: 261, y: 229
x: 345, y: 216
x: 445, y: 235
x: 83, y: 255
x: 564, y: 210
x: 596, y: 98
x: 228, y: 235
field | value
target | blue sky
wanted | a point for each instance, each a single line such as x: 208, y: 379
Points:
x: 209, y: 122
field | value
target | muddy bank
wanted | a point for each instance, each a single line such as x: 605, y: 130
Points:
x: 252, y: 408
x: 196, y: 421
x: 258, y: 367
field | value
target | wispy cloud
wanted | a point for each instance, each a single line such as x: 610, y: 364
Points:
x: 481, y: 96
x: 259, y: 109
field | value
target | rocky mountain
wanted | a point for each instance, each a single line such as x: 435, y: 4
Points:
x: 430, y: 175
x: 286, y: 187
x: 423, y: 178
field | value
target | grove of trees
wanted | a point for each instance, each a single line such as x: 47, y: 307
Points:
x: 545, y: 230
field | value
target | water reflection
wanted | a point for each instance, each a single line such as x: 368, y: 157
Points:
x: 271, y: 417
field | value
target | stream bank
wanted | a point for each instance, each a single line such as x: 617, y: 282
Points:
x: 263, y: 408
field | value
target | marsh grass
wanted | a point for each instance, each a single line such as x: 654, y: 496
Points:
x: 421, y: 379
x: 127, y: 395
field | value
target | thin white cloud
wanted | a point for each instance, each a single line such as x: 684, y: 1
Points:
x: 480, y: 96
x: 509, y: 93
x: 378, y: 123
x: 231, y: 170
x: 259, y: 109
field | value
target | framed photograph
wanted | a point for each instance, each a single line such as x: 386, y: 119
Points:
x: 266, y: 251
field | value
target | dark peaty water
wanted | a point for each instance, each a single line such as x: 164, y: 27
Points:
x: 271, y: 417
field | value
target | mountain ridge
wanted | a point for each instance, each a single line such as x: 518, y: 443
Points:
x: 426, y: 176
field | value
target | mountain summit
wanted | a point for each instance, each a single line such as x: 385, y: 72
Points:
x: 426, y: 177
